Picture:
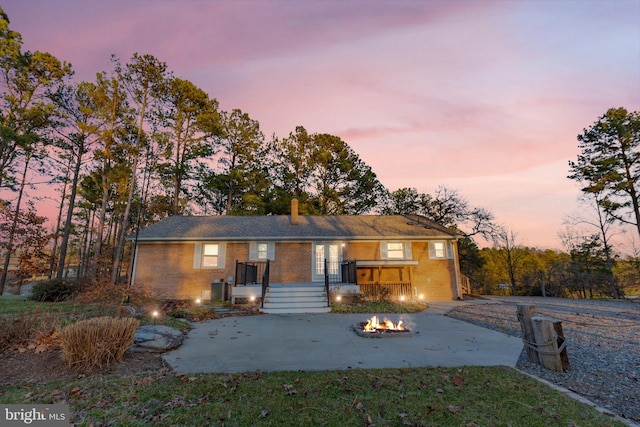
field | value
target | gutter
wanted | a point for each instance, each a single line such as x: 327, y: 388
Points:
x: 293, y: 238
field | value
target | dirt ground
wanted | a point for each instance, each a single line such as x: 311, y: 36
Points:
x: 29, y: 367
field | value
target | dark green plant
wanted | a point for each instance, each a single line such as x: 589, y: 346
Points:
x: 54, y: 290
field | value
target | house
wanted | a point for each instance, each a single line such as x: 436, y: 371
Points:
x: 403, y: 256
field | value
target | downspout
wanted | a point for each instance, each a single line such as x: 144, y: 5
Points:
x: 134, y: 264
x: 456, y: 267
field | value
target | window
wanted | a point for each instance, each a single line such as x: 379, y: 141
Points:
x: 395, y: 250
x: 261, y: 251
x: 209, y: 255
x: 439, y: 250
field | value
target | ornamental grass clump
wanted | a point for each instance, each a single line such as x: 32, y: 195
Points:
x: 97, y: 342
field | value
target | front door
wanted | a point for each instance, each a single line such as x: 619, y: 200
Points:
x: 332, y: 252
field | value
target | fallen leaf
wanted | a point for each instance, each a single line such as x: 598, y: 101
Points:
x: 405, y: 421
x: 265, y: 413
x: 457, y: 380
x: 453, y: 409
x: 41, y: 348
x: 289, y: 389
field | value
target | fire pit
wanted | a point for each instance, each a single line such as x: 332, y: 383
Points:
x: 372, y: 328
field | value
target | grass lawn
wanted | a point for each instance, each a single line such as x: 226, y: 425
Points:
x: 20, y: 304
x: 378, y: 307
x: 469, y: 396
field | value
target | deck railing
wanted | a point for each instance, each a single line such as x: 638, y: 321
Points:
x: 465, y: 284
x: 349, y: 272
x: 249, y: 273
x: 385, y: 290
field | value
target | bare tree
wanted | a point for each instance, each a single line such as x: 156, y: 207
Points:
x: 596, y: 217
x: 511, y: 254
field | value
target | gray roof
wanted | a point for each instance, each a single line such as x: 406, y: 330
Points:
x: 279, y: 227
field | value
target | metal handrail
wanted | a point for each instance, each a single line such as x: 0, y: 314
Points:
x: 265, y: 283
x: 349, y: 272
x: 326, y: 282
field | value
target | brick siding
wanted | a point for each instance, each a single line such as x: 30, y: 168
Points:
x: 167, y: 268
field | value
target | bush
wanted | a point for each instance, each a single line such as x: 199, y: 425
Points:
x: 97, y: 342
x: 54, y: 290
x: 106, y: 293
x: 185, y: 309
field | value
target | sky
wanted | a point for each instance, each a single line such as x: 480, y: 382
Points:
x: 485, y: 97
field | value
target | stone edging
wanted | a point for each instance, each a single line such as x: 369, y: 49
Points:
x: 581, y: 399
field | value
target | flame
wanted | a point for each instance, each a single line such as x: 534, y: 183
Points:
x: 374, y: 325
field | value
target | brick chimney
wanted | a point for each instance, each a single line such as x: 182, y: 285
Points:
x: 294, y: 211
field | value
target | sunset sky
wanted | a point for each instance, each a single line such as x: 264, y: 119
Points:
x: 486, y: 97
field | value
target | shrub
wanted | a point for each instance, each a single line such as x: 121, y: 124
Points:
x: 106, y: 293
x: 185, y: 309
x: 54, y: 290
x: 97, y: 342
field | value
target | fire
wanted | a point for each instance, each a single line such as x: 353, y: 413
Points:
x: 373, y: 325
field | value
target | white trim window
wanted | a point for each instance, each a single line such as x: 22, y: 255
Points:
x: 440, y: 250
x: 395, y: 250
x: 262, y: 251
x: 209, y: 255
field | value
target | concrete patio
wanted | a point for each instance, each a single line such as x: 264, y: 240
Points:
x: 312, y: 342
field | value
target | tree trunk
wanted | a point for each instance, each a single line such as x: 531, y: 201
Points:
x: 52, y: 263
x: 99, y: 232
x: 14, y: 225
x: 67, y: 223
x: 132, y: 187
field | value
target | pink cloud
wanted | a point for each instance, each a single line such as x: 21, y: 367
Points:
x: 476, y: 95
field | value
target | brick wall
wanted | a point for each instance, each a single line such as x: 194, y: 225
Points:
x: 433, y: 278
x: 292, y: 263
x: 167, y: 268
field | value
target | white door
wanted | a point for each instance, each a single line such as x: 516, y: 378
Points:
x: 333, y: 254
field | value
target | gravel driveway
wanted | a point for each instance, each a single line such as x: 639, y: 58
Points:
x: 603, y: 345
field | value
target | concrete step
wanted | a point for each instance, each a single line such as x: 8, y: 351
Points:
x: 291, y: 310
x: 295, y: 303
x: 296, y: 299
